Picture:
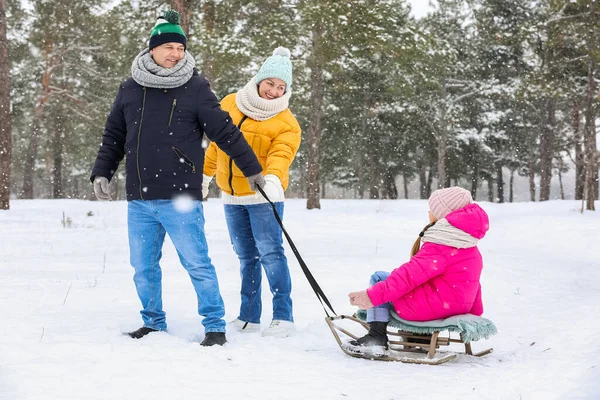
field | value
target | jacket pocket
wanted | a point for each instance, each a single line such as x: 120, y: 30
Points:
x: 184, y: 159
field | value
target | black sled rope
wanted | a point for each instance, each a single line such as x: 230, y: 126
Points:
x: 311, y: 279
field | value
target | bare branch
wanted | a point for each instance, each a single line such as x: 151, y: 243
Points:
x: 464, y: 96
x: 559, y: 19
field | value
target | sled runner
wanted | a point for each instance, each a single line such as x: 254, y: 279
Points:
x: 417, y: 342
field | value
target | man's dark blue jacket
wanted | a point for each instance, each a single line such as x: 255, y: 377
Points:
x: 160, y: 131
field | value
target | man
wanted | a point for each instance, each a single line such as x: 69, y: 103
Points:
x: 157, y: 120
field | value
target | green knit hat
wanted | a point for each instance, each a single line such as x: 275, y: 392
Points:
x: 166, y: 30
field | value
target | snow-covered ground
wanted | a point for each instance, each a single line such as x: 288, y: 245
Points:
x: 66, y: 292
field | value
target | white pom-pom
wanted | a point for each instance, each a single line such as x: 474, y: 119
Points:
x: 282, y: 51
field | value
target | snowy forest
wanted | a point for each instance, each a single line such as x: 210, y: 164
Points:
x: 475, y: 93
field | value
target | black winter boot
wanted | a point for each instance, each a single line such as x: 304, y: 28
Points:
x: 212, y: 338
x: 377, y: 336
x: 140, y: 333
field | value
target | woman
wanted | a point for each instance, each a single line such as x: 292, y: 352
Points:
x: 260, y: 110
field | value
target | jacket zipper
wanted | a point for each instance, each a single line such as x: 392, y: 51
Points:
x: 137, y: 154
x: 186, y: 159
x: 231, y: 159
x: 172, y: 109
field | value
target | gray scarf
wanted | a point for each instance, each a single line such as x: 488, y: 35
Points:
x: 147, y: 73
x: 444, y: 233
x: 257, y: 108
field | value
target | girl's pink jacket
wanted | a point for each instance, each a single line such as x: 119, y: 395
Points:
x: 439, y: 281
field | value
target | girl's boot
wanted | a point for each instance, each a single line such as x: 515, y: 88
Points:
x: 377, y: 336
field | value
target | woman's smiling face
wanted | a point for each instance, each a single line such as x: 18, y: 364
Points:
x: 271, y: 88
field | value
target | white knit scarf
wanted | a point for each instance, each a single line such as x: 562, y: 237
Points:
x: 257, y: 108
x: 444, y: 233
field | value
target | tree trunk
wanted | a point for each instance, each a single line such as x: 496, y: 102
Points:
x: 490, y: 184
x: 475, y: 181
x: 579, y: 154
x: 360, y: 174
x: 57, y: 160
x: 405, y: 185
x: 422, y: 180
x: 596, y: 177
x: 184, y: 8
x: 591, y: 156
x: 5, y: 116
x: 591, y: 159
x: 499, y: 182
x: 429, y: 182
x: 511, y: 186
x: 374, y: 178
x: 442, y: 142
x: 388, y: 187
x: 31, y: 153
x: 531, y: 171
x: 372, y: 151
x: 32, y: 149
x: 314, y: 129
x: 547, y: 148
x: 560, y: 183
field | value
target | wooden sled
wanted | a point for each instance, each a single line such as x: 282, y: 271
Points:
x: 417, y: 344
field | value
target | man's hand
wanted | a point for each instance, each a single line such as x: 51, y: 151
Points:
x: 255, y: 181
x: 360, y: 299
x: 101, y: 188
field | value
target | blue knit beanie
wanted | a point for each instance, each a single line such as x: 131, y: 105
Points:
x: 278, y: 65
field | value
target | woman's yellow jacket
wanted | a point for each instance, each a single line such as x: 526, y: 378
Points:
x: 274, y: 141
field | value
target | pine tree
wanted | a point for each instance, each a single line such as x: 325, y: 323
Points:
x: 502, y: 29
x: 368, y: 88
x: 5, y: 115
x: 451, y: 80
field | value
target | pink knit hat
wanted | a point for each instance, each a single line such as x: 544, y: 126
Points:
x: 443, y: 201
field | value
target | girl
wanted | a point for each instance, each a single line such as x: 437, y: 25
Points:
x: 442, y: 277
x: 260, y: 110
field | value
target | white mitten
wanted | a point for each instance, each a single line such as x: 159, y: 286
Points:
x: 273, y: 188
x: 205, y: 182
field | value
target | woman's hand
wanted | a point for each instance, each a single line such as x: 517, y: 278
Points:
x: 360, y: 299
x: 273, y: 188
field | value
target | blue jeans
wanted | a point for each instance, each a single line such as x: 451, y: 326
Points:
x: 257, y: 239
x: 381, y: 313
x: 147, y: 222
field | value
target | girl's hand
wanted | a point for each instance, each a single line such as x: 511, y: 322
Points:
x: 360, y: 299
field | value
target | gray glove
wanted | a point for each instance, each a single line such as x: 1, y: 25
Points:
x: 101, y: 188
x: 256, y: 180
